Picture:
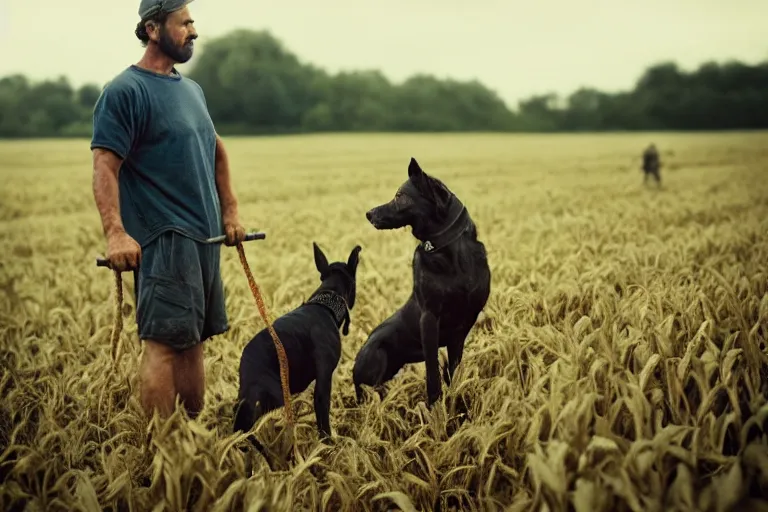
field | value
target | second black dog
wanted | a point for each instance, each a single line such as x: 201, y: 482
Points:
x: 451, y: 284
x: 310, y: 336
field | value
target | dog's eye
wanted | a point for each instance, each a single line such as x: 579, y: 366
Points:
x: 402, y: 199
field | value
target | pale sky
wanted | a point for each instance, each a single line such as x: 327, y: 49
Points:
x: 518, y: 48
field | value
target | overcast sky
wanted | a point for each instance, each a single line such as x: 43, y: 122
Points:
x: 516, y: 47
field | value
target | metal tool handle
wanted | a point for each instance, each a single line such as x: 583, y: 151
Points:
x: 103, y: 262
x: 248, y: 238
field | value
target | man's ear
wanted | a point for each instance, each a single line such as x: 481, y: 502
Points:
x: 153, y: 30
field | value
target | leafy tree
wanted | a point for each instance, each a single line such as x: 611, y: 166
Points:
x: 254, y: 84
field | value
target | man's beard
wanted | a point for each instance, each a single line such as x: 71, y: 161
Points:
x: 180, y: 54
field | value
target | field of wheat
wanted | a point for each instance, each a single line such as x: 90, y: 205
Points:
x: 620, y: 363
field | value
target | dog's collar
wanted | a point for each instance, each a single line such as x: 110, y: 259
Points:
x: 453, y: 230
x: 336, y: 304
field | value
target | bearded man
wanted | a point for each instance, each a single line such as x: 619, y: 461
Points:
x: 162, y: 188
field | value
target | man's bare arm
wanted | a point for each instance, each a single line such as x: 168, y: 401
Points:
x: 106, y: 192
x: 123, y: 252
x: 223, y: 181
x: 229, y: 213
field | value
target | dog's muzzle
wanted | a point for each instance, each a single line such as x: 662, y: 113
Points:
x: 383, y: 217
x: 374, y: 217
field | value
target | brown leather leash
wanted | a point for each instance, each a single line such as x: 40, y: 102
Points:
x: 281, y: 356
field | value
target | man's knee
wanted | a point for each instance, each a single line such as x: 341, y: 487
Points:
x: 157, y: 380
x: 167, y: 373
x: 189, y: 378
x: 157, y: 360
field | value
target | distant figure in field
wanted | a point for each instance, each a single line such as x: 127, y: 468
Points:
x: 651, y: 164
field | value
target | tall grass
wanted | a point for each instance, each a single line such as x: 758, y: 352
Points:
x: 620, y: 363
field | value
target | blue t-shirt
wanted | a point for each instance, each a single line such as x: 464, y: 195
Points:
x: 159, y: 125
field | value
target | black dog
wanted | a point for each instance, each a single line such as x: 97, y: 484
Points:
x: 451, y: 284
x: 310, y: 336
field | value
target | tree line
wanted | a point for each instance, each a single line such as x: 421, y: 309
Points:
x: 255, y: 85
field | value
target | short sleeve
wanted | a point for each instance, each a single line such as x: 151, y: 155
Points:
x: 201, y: 93
x: 117, y: 120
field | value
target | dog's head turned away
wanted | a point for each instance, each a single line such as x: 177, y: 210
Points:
x: 422, y: 202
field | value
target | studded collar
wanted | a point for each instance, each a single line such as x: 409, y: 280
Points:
x: 336, y: 304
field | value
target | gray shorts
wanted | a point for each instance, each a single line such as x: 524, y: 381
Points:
x: 180, y: 295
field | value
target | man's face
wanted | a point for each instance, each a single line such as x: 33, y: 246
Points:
x: 176, y: 35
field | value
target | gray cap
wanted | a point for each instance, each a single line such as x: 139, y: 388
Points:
x: 149, y: 8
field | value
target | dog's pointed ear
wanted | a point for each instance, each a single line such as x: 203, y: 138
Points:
x: 428, y: 185
x: 321, y: 262
x: 418, y: 177
x: 414, y: 169
x: 353, y: 259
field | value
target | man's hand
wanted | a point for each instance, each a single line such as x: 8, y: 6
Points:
x: 123, y: 252
x: 233, y: 230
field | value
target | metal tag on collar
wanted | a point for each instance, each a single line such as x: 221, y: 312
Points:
x: 428, y: 246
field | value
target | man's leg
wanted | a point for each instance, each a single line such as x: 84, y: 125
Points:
x: 170, y: 314
x: 189, y: 373
x: 189, y: 379
x: 156, y: 374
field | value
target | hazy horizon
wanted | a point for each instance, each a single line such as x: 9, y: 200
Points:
x: 554, y: 47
